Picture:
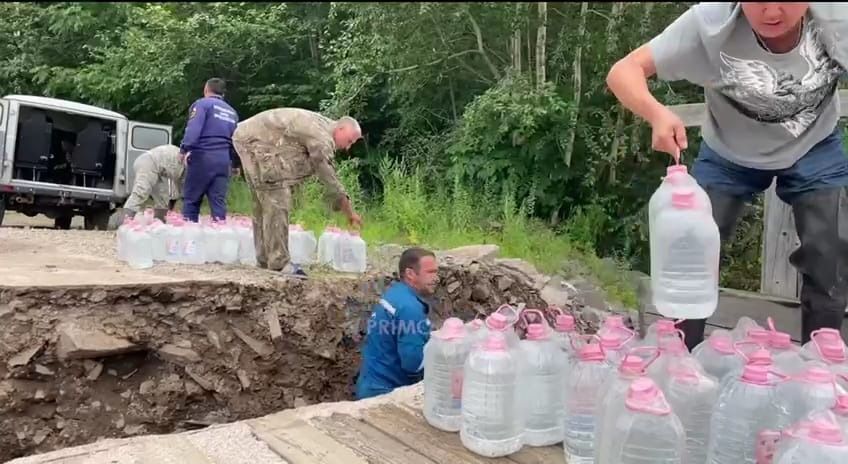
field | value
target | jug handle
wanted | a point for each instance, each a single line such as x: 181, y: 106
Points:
x: 538, y: 312
x: 587, y: 338
x: 737, y: 345
x: 655, y: 354
x: 816, y: 343
x: 514, y: 312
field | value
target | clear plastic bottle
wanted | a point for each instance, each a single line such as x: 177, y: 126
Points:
x: 228, y: 253
x: 543, y: 375
x: 583, y: 401
x: 302, y: 245
x: 648, y: 431
x: 684, y: 260
x: 497, y: 322
x: 212, y: 241
x: 677, y: 178
x: 564, y: 333
x: 614, y: 325
x: 350, y: 254
x: 476, y: 333
x: 672, y: 351
x: 194, y: 244
x: 614, y: 393
x: 123, y: 231
x: 814, y: 389
x: 247, y: 247
x: 492, y: 421
x: 743, y: 326
x: 139, y: 248
x: 174, y: 241
x: 158, y: 234
x: 717, y: 356
x: 444, y: 360
x: 657, y: 329
x: 616, y: 345
x: 746, y: 406
x: 841, y: 411
x: 786, y: 355
x: 327, y: 245
x: 692, y: 394
x: 817, y: 440
x: 826, y: 345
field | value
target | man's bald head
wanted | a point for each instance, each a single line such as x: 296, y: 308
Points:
x: 346, y: 132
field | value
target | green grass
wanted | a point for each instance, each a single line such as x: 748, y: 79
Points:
x: 411, y: 212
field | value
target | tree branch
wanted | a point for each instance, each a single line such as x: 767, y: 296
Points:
x: 437, y: 61
x: 462, y: 63
x: 480, y: 47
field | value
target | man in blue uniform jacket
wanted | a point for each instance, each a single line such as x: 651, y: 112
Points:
x: 207, y: 146
x: 399, y: 328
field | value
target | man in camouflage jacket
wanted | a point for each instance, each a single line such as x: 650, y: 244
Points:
x: 154, y: 170
x: 279, y: 149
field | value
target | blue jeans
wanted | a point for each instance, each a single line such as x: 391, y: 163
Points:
x: 815, y: 187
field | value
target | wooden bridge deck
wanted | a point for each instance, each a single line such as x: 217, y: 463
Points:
x: 385, y: 430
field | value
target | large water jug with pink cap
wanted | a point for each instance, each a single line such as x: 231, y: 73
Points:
x: 139, y: 248
x: 228, y: 251
x: 123, y: 232
x: 350, y: 254
x: 672, y: 351
x: 498, y: 322
x: 826, y: 345
x: 677, y: 178
x: 752, y: 353
x: 583, y: 400
x: 327, y: 245
x: 743, y: 326
x: 648, y: 431
x: 747, y: 405
x: 658, y: 328
x: 818, y: 439
x: 614, y: 393
x: 444, y: 360
x: 475, y: 330
x: 692, y: 394
x: 302, y: 245
x: 685, y: 249
x: 617, y: 344
x: 813, y: 389
x: 717, y: 355
x: 543, y: 374
x: 194, y: 244
x: 174, y: 240
x: 564, y: 333
x: 614, y: 325
x: 492, y: 421
x: 247, y: 246
x: 787, y: 356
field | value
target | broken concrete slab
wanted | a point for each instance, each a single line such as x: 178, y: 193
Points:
x: 177, y: 355
x: 469, y: 254
x: 77, y: 342
x: 23, y: 358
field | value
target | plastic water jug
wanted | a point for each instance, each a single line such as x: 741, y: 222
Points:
x: 672, y: 351
x: 648, y: 431
x: 614, y: 393
x: 657, y: 329
x: 717, y: 355
x: 229, y: 248
x: 302, y: 245
x: 492, y: 421
x: 814, y: 389
x: 139, y: 248
x: 350, y: 253
x: 194, y: 244
x: 583, y: 400
x: 247, y: 248
x: 212, y: 241
x: 677, y: 178
x: 497, y: 322
x: 685, y: 249
x: 692, y: 394
x: 543, y: 373
x: 158, y: 236
x: 826, y: 345
x: 123, y: 231
x: 614, y: 325
x: 616, y: 344
x: 327, y: 245
x: 786, y: 355
x: 746, y: 405
x: 444, y: 360
x: 174, y: 242
x: 817, y: 440
x: 841, y: 411
x: 743, y: 326
x: 564, y: 333
x: 475, y: 333
x: 754, y: 355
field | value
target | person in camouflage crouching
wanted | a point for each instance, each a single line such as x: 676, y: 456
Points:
x: 279, y: 149
x: 154, y: 170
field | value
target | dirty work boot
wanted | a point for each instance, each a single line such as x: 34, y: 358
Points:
x: 821, y: 219
x: 726, y: 211
x: 160, y: 213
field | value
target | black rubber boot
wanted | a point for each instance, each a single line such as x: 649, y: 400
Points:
x: 821, y: 218
x: 726, y: 211
x: 160, y: 213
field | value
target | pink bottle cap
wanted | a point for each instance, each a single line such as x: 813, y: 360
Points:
x: 780, y: 340
x: 475, y: 324
x: 755, y: 374
x: 614, y: 322
x: 841, y: 407
x: 721, y: 343
x: 632, y: 365
x: 497, y: 321
x: 665, y: 326
x: 611, y: 341
x: 760, y: 357
x: 644, y: 396
x: 830, y: 345
x: 452, y: 329
x: 495, y: 342
x: 564, y: 323
x: 537, y: 332
x: 591, y: 352
x: 826, y: 431
x: 676, y: 169
x: 816, y: 375
x: 760, y: 336
x: 683, y: 199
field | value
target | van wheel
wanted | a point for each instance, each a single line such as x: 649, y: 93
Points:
x: 97, y: 220
x: 63, y: 222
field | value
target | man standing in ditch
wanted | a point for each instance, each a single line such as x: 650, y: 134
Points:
x: 206, y: 147
x: 399, y: 327
x: 279, y: 149
x: 154, y: 170
x: 769, y: 72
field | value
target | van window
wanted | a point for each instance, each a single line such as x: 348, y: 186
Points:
x: 145, y: 138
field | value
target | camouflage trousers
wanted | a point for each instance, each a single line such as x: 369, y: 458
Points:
x: 147, y: 184
x: 272, y: 195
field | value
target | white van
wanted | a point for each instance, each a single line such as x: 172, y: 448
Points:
x: 62, y: 158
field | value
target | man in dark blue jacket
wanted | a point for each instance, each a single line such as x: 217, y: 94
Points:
x: 207, y: 146
x: 393, y: 355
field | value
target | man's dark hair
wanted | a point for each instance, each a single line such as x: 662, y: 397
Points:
x: 217, y: 86
x: 410, y: 259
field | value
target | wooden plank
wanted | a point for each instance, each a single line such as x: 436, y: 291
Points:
x: 778, y: 276
x: 297, y: 442
x: 411, y: 430
x: 373, y: 445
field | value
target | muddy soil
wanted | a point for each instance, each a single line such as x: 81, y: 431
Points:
x: 84, y: 363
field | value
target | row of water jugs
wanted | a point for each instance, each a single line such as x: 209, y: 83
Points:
x: 344, y: 251
x: 747, y: 396
x: 144, y: 240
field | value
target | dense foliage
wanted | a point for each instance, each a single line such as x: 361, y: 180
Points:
x: 500, y: 99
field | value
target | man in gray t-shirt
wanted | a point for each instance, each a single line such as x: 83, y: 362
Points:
x: 769, y: 73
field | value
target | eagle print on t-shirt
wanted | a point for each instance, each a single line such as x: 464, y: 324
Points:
x: 769, y: 95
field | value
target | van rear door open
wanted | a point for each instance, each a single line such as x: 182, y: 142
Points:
x: 141, y: 137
